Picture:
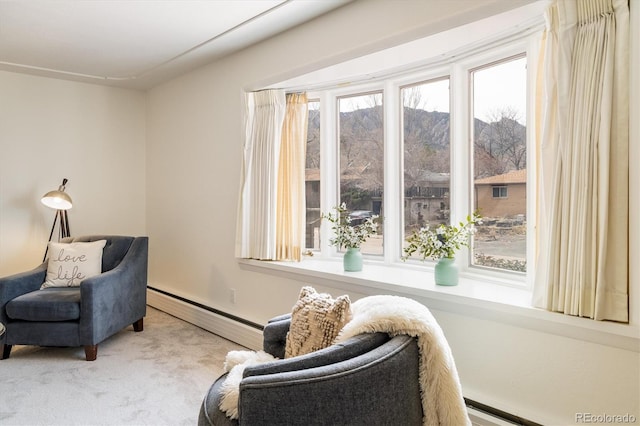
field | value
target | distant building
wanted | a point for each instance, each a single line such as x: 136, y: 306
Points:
x: 428, y: 200
x: 502, y: 195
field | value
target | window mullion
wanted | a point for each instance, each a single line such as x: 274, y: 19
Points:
x: 328, y: 166
x: 392, y: 177
x: 461, y: 142
x: 532, y: 166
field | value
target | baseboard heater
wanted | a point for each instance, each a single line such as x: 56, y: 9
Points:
x: 209, y: 309
x: 249, y: 333
x: 484, y: 415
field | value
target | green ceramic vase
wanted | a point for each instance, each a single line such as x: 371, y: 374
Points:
x: 446, y: 272
x: 352, y: 260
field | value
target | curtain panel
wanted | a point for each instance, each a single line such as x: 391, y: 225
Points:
x: 583, y: 142
x: 271, y: 202
x: 290, y: 231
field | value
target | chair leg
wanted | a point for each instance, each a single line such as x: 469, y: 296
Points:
x: 138, y: 325
x: 91, y: 352
x: 6, y: 351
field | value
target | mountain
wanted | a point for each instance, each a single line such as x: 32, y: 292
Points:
x: 499, y: 146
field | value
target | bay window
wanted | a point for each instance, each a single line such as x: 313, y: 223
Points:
x: 432, y: 152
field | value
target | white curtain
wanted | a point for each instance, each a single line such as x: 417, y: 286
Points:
x: 271, y: 204
x: 256, y: 229
x: 583, y: 146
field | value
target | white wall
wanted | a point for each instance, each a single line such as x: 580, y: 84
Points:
x: 53, y: 129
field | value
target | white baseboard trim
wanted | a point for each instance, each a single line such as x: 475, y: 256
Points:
x: 478, y: 418
x: 239, y: 333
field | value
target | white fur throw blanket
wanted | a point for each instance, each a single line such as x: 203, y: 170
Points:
x: 442, y: 402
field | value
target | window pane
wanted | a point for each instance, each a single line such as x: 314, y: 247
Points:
x: 425, y: 127
x: 500, y: 162
x: 362, y: 160
x: 312, y: 178
x: 499, y: 192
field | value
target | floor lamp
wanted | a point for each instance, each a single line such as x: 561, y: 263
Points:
x: 61, y: 202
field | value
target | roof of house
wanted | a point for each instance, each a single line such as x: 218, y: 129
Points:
x: 514, y: 176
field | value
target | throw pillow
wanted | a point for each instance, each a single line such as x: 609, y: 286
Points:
x: 70, y: 263
x: 316, y: 320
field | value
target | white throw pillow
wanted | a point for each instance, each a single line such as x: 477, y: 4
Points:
x: 70, y: 263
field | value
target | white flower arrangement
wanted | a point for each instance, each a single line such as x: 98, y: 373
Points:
x: 443, y: 241
x: 346, y: 234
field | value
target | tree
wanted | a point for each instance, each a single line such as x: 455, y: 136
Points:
x: 426, y: 138
x: 313, y: 140
x: 362, y: 144
x: 501, y: 145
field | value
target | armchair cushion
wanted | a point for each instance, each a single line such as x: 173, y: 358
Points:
x: 51, y: 304
x: 70, y: 263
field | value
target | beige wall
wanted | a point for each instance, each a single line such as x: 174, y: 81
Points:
x: 194, y: 150
x: 51, y: 129
x: 513, y: 204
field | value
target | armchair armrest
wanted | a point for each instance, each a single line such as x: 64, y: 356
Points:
x: 116, y: 298
x: 275, y: 335
x: 19, y: 284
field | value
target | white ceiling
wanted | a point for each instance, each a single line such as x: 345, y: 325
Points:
x: 138, y: 43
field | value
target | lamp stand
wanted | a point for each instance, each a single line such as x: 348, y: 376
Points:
x: 65, y: 231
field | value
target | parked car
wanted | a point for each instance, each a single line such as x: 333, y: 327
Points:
x: 359, y: 216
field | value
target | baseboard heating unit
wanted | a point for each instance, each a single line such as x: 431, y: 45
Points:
x: 483, y: 415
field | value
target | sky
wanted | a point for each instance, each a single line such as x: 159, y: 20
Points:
x: 495, y: 87
x: 501, y: 85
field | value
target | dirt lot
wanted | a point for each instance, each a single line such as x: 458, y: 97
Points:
x: 508, y: 248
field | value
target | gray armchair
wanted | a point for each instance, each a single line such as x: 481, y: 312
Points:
x: 370, y: 379
x: 78, y: 316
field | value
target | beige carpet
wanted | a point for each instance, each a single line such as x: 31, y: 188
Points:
x: 157, y: 377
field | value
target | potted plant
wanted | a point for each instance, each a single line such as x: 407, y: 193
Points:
x: 350, y: 235
x: 441, y: 243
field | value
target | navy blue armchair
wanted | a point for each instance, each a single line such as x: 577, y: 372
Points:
x: 78, y: 316
x: 369, y: 379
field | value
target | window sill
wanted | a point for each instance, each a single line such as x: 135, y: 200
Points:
x: 471, y: 297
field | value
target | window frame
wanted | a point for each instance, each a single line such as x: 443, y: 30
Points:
x: 336, y: 142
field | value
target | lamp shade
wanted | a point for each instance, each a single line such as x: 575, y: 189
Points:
x: 57, y: 199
